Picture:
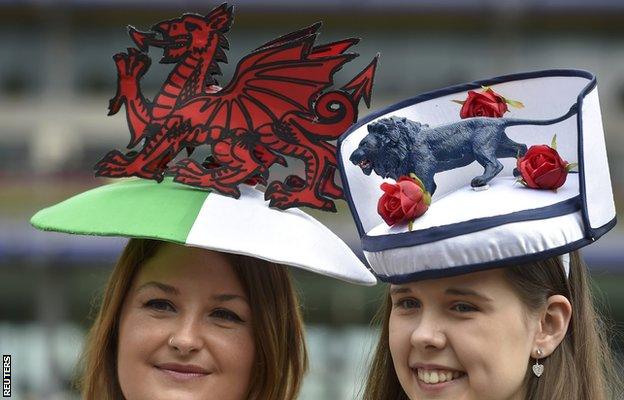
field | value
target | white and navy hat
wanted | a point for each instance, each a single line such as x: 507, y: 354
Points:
x: 496, y: 172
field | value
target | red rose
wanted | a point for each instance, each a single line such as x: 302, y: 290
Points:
x: 403, y: 201
x: 542, y: 168
x: 485, y: 104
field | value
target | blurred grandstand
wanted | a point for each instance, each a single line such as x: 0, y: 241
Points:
x: 57, y: 74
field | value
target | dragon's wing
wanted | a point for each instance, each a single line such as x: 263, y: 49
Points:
x: 283, y: 76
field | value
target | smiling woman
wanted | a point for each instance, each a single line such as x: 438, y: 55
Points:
x: 180, y: 322
x: 468, y: 337
x: 488, y: 297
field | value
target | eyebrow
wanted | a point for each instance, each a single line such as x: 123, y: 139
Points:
x: 229, y: 297
x: 466, y: 292
x: 165, y: 288
x: 172, y: 290
x: 399, y: 290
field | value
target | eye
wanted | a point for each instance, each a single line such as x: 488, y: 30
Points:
x: 407, y: 303
x: 226, y: 315
x: 159, y: 305
x: 191, y: 26
x: 464, y: 308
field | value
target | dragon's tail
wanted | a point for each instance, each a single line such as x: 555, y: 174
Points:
x: 513, y: 121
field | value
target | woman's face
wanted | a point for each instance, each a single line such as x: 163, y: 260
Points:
x: 462, y: 338
x: 185, y: 329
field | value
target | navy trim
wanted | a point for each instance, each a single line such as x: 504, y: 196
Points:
x: 433, y: 234
x: 465, y: 269
x: 461, y: 88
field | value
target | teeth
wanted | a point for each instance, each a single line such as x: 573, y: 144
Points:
x: 437, y: 376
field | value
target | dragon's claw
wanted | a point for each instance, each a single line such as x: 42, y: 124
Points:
x: 131, y: 67
x: 190, y: 172
x: 132, y: 64
x: 281, y: 197
x: 116, y: 164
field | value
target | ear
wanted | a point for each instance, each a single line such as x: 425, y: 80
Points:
x: 553, y: 325
x: 221, y: 17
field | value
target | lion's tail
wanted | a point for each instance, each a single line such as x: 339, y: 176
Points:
x: 513, y: 121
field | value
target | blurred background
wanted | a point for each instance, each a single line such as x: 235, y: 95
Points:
x: 57, y: 74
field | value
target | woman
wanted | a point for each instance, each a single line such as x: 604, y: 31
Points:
x: 182, y: 322
x: 205, y: 308
x: 488, y: 297
x: 454, y: 344
x: 217, y: 317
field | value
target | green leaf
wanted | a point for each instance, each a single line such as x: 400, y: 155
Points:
x: 514, y: 103
x: 553, y: 143
x: 485, y: 88
x: 410, y: 225
x: 427, y: 198
x: 418, y: 181
x: 458, y: 102
x: 570, y: 166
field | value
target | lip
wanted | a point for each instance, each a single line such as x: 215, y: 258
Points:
x: 435, y: 388
x: 182, y: 372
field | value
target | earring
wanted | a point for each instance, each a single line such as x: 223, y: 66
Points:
x: 538, y: 369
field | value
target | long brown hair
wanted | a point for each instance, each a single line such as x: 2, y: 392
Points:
x: 281, y: 357
x: 581, y: 367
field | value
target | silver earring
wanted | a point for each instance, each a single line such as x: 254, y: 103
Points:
x: 538, y: 369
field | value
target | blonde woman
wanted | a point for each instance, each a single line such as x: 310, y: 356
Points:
x: 472, y: 210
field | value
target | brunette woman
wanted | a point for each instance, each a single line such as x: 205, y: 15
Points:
x: 473, y: 212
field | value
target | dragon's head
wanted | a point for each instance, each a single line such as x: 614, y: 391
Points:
x: 190, y: 33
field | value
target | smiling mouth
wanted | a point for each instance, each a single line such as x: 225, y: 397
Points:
x: 182, y: 373
x: 436, y: 376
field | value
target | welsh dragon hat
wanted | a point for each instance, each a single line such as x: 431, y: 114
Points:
x: 480, y: 175
x: 281, y: 104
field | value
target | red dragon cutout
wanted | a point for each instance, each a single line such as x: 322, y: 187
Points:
x: 278, y: 104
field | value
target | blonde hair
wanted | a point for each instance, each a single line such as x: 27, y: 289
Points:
x: 581, y: 367
x: 281, y: 355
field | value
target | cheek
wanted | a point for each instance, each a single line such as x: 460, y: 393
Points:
x: 139, y: 340
x: 399, y: 334
x: 494, y: 353
x: 235, y: 349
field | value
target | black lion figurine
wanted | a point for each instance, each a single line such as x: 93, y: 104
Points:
x: 398, y: 146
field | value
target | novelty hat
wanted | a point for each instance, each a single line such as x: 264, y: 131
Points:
x: 485, y: 174
x: 280, y: 104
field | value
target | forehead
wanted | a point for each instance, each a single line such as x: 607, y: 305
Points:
x: 491, y: 281
x: 193, y: 268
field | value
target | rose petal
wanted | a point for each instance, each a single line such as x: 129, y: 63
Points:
x: 420, y: 210
x: 526, y: 173
x: 389, y: 188
x: 551, y: 179
x: 410, y: 190
x: 544, y: 169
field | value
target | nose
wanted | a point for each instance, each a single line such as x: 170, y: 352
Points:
x: 428, y: 334
x: 186, y: 338
x: 356, y: 156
